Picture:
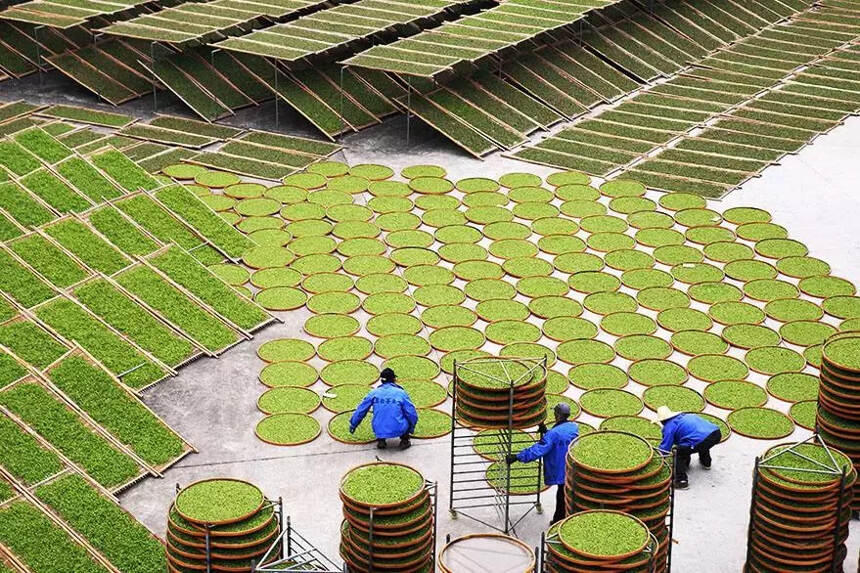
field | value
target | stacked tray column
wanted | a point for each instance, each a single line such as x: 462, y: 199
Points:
x: 838, y: 418
x: 600, y: 540
x: 388, y: 521
x: 800, y: 509
x: 203, y: 526
x: 622, y: 472
x: 500, y: 392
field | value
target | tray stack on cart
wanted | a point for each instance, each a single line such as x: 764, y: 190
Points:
x: 622, y: 472
x: 388, y: 520
x: 600, y: 540
x: 500, y: 394
x: 838, y: 418
x: 801, y: 506
x: 240, y: 523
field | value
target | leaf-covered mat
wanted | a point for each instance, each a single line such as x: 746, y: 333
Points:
x: 394, y: 345
x: 338, y: 428
x: 642, y: 347
x: 333, y: 303
x: 774, y: 360
x: 381, y: 485
x: 283, y: 349
x: 657, y: 372
x: 804, y: 413
x: 577, y: 352
x: 331, y: 325
x: 266, y: 278
x: 183, y: 171
x: 696, y: 342
x: 793, y: 386
x: 287, y: 429
x: 349, y: 372
x: 564, y: 328
x: 393, y: 323
x: 735, y: 394
x: 749, y: 336
x: 626, y: 323
x: 591, y: 376
x: 677, y: 319
x: 231, y: 274
x: 216, y: 179
x: 345, y: 348
x: 636, y: 425
x: 268, y: 257
x: 733, y: 312
x: 457, y: 338
x: 287, y: 399
x: 289, y: 373
x: 677, y: 398
x: 760, y: 423
x: 424, y: 393
x: 508, y: 331
x: 344, y: 397
x: 413, y: 367
x: 327, y: 282
x: 716, y: 367
x: 604, y: 303
x: 609, y: 402
x: 844, y: 353
x: 806, y: 333
x: 448, y: 315
x: 432, y: 424
x: 281, y: 298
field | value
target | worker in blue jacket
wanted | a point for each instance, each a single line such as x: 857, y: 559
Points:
x: 552, y: 447
x: 394, y: 415
x: 688, y: 433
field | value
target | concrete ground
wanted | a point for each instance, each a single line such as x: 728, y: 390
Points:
x: 213, y: 402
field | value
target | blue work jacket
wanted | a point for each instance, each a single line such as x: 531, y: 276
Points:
x: 553, y: 448
x: 393, y: 412
x: 687, y: 430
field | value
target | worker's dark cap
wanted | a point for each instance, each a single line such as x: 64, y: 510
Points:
x: 388, y: 375
x: 562, y: 409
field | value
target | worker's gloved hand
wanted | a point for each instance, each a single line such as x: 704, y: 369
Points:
x: 510, y: 458
x: 542, y: 429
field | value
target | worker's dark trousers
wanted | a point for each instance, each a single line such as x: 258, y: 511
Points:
x: 559, y: 504
x: 704, y: 451
x: 382, y: 442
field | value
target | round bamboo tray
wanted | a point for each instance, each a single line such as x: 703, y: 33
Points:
x: 486, y: 553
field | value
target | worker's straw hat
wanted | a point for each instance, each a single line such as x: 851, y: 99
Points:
x: 664, y: 413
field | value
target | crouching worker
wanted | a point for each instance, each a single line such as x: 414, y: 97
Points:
x: 688, y: 433
x: 552, y: 447
x: 394, y: 415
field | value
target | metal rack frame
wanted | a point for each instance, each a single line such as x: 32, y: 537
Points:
x: 295, y: 552
x: 469, y: 486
